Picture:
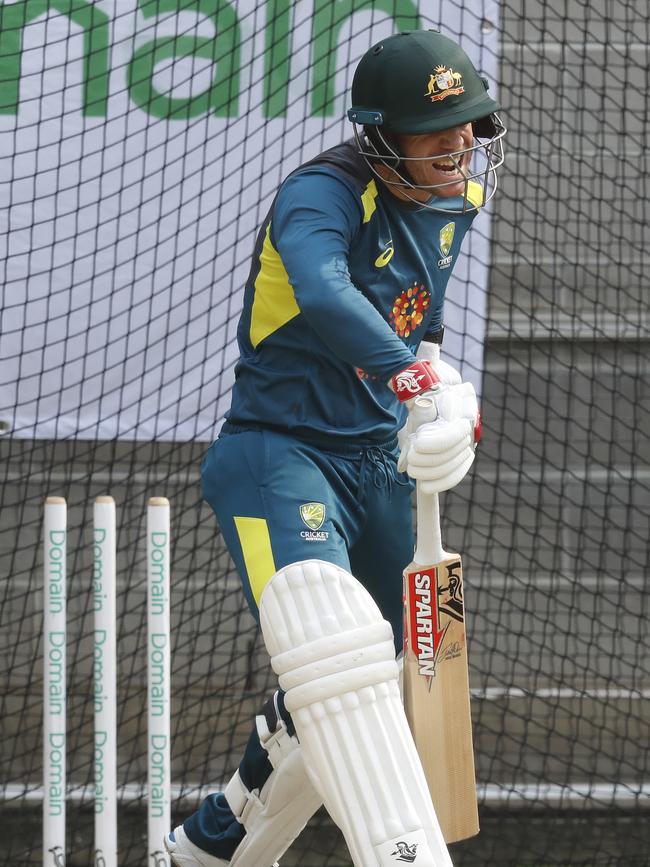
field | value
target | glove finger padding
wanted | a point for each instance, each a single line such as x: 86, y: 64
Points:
x: 440, y: 454
x: 442, y: 465
x: 453, y: 478
x: 438, y: 437
x: 437, y: 443
x: 459, y: 464
x: 405, y: 435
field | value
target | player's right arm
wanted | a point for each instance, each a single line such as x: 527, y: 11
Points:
x: 315, y: 220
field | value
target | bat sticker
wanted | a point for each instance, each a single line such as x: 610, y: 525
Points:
x: 435, y: 602
x: 450, y: 598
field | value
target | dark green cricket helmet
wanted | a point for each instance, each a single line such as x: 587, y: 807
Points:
x: 417, y: 82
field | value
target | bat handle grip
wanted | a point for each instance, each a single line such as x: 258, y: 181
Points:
x: 428, y: 548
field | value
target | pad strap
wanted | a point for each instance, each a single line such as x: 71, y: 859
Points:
x: 275, y: 815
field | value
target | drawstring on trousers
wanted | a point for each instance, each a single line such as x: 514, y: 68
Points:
x: 380, y: 466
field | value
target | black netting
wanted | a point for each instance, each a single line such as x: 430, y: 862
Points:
x: 140, y: 145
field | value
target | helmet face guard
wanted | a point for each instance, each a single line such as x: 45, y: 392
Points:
x: 416, y: 83
x: 477, y: 164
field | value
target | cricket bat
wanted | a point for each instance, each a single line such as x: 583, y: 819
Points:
x: 436, y: 678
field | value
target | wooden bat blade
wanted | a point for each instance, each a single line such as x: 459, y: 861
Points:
x: 436, y: 691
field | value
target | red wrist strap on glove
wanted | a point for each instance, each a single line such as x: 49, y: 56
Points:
x: 414, y: 379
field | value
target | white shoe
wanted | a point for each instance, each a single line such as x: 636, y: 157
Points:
x: 185, y: 854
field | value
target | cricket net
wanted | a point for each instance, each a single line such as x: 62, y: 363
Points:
x: 141, y: 143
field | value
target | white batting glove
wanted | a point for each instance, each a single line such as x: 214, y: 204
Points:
x: 442, y: 432
x: 447, y: 374
x: 439, y: 439
x: 426, y: 371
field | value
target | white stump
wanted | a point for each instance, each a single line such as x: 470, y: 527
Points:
x: 54, y: 682
x: 105, y: 682
x: 158, y: 679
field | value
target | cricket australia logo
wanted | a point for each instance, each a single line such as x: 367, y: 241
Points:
x: 313, y: 516
x: 405, y: 852
x: 444, y: 82
x: 446, y: 240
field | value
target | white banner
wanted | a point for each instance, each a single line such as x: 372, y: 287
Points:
x: 141, y: 144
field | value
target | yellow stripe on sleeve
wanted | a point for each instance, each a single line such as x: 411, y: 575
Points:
x: 258, y: 557
x: 274, y: 303
x: 368, y: 200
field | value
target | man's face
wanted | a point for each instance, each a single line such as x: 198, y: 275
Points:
x: 433, y: 166
x: 440, y: 169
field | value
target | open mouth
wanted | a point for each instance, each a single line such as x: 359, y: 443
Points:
x: 449, y: 167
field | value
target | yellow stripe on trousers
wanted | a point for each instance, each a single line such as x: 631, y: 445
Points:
x: 258, y: 557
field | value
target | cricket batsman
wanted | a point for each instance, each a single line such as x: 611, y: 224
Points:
x: 341, y: 329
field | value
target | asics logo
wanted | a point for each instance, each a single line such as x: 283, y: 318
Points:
x: 385, y: 256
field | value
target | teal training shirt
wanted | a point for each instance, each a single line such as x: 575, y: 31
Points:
x: 345, y: 282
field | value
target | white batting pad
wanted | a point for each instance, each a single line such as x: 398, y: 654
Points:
x: 274, y: 816
x: 335, y: 658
